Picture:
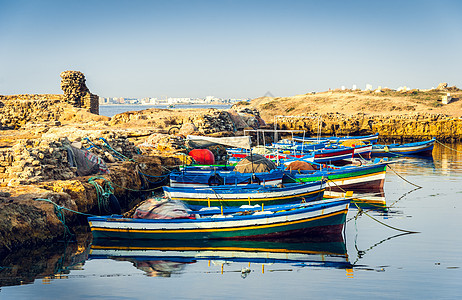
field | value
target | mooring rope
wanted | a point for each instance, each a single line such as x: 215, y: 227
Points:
x: 361, y: 211
x: 102, y: 194
x: 447, y: 146
x: 403, y: 177
x: 118, y: 154
x: 126, y: 188
x: 361, y: 253
x: 58, y: 209
x: 380, y: 222
x: 405, y: 194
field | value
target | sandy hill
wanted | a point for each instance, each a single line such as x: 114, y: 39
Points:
x: 349, y: 102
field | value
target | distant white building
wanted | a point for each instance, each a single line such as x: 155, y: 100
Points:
x: 209, y: 99
x: 178, y: 100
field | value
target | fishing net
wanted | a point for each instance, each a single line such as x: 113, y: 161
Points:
x: 162, y: 209
x: 255, y: 163
x: 300, y: 165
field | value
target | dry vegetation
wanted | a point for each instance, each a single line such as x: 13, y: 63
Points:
x: 349, y: 102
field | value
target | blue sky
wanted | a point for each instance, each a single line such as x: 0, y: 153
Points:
x: 228, y: 48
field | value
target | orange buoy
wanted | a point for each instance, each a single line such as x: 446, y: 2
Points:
x: 202, y: 156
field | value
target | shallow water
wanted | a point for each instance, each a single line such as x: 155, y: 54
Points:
x: 374, y: 261
x: 111, y: 110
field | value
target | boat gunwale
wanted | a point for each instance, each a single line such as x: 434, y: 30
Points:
x: 289, y: 209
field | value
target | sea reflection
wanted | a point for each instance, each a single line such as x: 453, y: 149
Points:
x: 166, y: 258
x: 48, y: 262
x: 445, y: 160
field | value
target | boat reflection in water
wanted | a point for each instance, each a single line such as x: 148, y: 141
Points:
x: 164, y: 258
x: 372, y: 199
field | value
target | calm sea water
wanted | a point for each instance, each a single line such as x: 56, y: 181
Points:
x: 373, y: 261
x: 111, y: 110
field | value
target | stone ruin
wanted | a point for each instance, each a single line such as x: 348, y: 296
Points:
x: 76, y: 91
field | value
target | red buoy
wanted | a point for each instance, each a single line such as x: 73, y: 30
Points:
x: 202, y: 156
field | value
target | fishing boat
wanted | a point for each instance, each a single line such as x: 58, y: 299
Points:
x: 222, y: 176
x: 370, y: 199
x: 368, y: 176
x: 167, y: 256
x: 303, y: 219
x: 249, y: 194
x: 362, y: 151
x: 372, y: 138
x: 324, y: 155
x: 424, y: 148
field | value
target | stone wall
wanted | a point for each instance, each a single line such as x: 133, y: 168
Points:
x: 30, y: 161
x: 404, y: 128
x: 76, y: 91
x: 18, y: 110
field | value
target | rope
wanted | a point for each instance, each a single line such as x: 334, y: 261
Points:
x: 146, y: 176
x: 133, y: 190
x: 361, y: 253
x: 447, y: 146
x: 403, y: 177
x: 102, y: 194
x: 92, y: 144
x: 361, y: 211
x: 405, y: 194
x: 387, y: 150
x: 65, y: 208
x: 119, y: 155
x: 389, y: 226
x: 153, y: 176
x: 61, y: 217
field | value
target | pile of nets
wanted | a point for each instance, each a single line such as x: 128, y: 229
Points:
x: 162, y: 209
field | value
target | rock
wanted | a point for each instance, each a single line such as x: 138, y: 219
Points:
x: 187, y: 129
x: 442, y: 86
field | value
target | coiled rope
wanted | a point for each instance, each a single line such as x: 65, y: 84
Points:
x: 102, y: 194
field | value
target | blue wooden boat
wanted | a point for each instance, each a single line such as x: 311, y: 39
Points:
x: 221, y: 176
x: 424, y: 148
x: 324, y: 155
x: 369, y: 176
x: 303, y: 219
x: 249, y: 194
x: 372, y: 138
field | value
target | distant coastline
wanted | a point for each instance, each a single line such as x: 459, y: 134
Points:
x: 164, y: 104
x: 109, y: 110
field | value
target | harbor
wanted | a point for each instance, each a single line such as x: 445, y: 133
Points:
x: 259, y: 194
x: 369, y: 253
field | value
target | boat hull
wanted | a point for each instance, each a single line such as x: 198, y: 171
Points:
x: 417, y: 149
x: 213, y: 178
x: 316, y: 219
x: 364, y: 138
x: 246, y: 195
x: 349, y: 178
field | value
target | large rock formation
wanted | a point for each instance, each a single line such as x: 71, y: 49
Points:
x: 408, y: 127
x: 76, y: 91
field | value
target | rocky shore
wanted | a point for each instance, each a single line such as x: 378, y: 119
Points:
x: 53, y: 146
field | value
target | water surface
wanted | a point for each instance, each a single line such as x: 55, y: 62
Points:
x: 111, y: 110
x: 369, y: 261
